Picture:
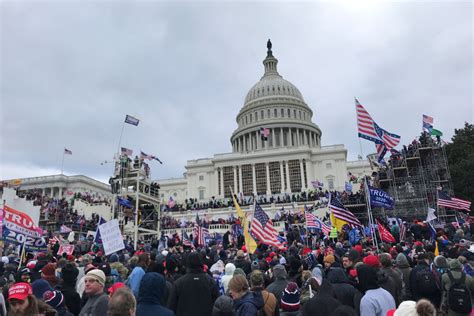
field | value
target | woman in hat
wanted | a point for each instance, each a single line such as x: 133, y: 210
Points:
x: 21, y: 299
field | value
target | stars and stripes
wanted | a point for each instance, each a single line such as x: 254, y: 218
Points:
x: 341, y: 212
x: 186, y: 241
x: 201, y: 234
x: 67, y: 151
x: 126, y: 151
x: 369, y: 130
x: 384, y: 233
x: 262, y: 228
x: 313, y: 222
x: 452, y: 202
x: 149, y: 157
x: 427, y: 123
x: 403, y: 229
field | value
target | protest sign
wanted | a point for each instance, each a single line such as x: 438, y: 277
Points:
x: 111, y: 237
x: 19, y: 228
x: 68, y: 249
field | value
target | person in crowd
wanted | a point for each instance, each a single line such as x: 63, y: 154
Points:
x: 376, y: 301
x: 152, y: 288
x: 402, y: 264
x: 138, y: 272
x: 246, y: 303
x: 21, y: 300
x: 323, y: 303
x: 395, y: 276
x: 257, y: 283
x: 241, y: 262
x: 344, y: 291
x: 458, y: 288
x: 194, y: 292
x: 39, y: 287
x: 423, y: 282
x: 229, y: 272
x: 421, y: 308
x: 72, y: 299
x: 48, y: 273
x: 123, y: 303
x: 223, y: 306
x: 280, y: 282
x: 55, y: 299
x: 290, y: 300
x: 97, y: 301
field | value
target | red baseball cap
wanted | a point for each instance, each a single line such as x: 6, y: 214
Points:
x: 372, y: 260
x: 115, y: 287
x: 20, y: 291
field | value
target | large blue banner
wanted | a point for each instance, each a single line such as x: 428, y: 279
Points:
x: 381, y: 198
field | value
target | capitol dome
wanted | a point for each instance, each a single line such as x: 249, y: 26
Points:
x: 275, y: 107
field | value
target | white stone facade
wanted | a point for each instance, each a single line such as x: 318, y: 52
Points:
x: 286, y: 162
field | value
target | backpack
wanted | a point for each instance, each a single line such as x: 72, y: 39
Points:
x: 425, y: 282
x: 459, y: 296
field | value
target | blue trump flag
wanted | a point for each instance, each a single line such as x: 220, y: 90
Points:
x: 381, y: 198
x: 97, y: 238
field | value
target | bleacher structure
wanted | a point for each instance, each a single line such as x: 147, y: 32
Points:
x: 413, y: 178
x: 131, y: 182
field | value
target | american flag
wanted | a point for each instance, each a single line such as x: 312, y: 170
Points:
x: 427, y: 123
x: 53, y: 241
x: 262, y: 228
x: 186, y: 241
x: 340, y: 212
x: 149, y: 157
x: 131, y: 120
x: 171, y: 203
x: 369, y: 130
x: 313, y: 222
x: 201, y: 234
x: 451, y: 202
x: 385, y: 235
x: 403, y: 229
x: 67, y: 151
x: 126, y: 151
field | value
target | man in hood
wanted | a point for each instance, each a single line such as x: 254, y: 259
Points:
x: 152, y: 289
x: 376, y: 301
x: 195, y: 292
x: 280, y: 282
x: 229, y: 272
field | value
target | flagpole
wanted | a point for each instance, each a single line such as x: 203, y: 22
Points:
x: 369, y: 213
x: 62, y: 163
x: 120, y: 139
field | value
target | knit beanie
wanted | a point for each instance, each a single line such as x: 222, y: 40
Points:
x: 194, y: 261
x: 54, y: 298
x: 69, y: 273
x: 440, y: 262
x: 39, y: 287
x: 97, y: 275
x: 290, y: 301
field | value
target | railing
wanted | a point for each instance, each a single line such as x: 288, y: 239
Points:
x: 217, y: 228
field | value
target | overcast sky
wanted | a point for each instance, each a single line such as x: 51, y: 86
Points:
x: 71, y: 71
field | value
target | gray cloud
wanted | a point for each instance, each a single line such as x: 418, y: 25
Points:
x: 71, y: 71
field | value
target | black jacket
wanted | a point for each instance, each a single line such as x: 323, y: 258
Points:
x: 343, y: 290
x: 71, y: 298
x: 193, y: 294
x: 152, y: 289
x: 243, y: 264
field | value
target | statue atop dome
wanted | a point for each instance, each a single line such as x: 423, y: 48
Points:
x: 269, y: 47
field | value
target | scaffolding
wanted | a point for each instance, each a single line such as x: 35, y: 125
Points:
x: 413, y: 178
x: 135, y: 199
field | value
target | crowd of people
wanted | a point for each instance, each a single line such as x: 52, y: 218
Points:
x: 413, y: 276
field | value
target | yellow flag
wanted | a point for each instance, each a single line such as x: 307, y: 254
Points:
x: 336, y: 222
x: 250, y: 243
x: 436, y: 252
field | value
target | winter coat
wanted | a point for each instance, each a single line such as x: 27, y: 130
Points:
x: 323, y: 304
x: 229, y: 273
x: 152, y: 289
x: 434, y: 298
x: 243, y: 264
x: 248, y: 304
x: 277, y: 287
x: 405, y: 269
x: 71, y: 298
x: 396, y: 283
x: 446, y: 284
x: 342, y: 288
x: 193, y: 294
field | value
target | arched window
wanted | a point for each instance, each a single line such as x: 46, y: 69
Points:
x: 289, y: 113
x: 261, y: 114
x: 294, y: 113
x: 282, y: 113
x: 275, y: 113
x: 268, y: 113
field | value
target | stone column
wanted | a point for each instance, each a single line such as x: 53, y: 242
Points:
x: 43, y: 191
x: 216, y: 181
x: 241, y: 188
x: 282, y: 175
x: 273, y: 138
x: 254, y: 180
x: 306, y: 138
x: 60, y: 192
x: 297, y: 137
x: 222, y: 182
x: 288, y: 177
x: 288, y: 137
x: 303, y: 185
x: 281, y: 137
x: 52, y: 192
x: 257, y: 145
x: 267, y: 166
x: 235, y: 179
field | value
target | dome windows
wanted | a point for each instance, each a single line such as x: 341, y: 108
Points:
x: 275, y: 113
x: 282, y: 113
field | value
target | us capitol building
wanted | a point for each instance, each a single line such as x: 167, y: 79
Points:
x: 286, y: 163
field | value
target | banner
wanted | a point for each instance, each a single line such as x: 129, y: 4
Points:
x: 381, y: 198
x: 68, y: 249
x: 32, y: 244
x: 112, y: 239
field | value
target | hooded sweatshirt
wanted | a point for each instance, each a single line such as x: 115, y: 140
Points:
x: 342, y: 288
x: 152, y: 289
x: 229, y: 273
x: 403, y: 265
x: 376, y: 301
